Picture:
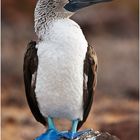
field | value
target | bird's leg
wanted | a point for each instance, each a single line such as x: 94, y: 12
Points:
x: 74, y: 126
x: 51, y: 123
x: 72, y: 133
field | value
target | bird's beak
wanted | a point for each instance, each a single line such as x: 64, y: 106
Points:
x: 75, y: 5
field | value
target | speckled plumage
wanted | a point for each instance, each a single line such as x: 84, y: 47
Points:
x: 47, y: 11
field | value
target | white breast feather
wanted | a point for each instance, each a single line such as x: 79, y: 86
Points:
x: 59, y: 86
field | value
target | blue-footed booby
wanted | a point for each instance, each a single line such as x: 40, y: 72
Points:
x: 60, y: 69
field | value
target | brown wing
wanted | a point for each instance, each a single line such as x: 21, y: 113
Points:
x: 89, y: 83
x: 30, y: 70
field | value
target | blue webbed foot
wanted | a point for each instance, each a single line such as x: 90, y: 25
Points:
x: 50, y: 134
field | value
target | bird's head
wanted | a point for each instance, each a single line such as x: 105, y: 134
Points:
x: 48, y: 10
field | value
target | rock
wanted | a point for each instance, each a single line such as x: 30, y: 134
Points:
x: 106, y: 136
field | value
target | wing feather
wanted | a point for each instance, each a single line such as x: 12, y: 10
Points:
x: 30, y: 72
x: 89, y: 82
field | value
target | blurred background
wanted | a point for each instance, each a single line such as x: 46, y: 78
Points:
x: 112, y: 28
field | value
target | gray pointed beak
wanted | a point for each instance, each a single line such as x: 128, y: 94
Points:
x: 75, y: 5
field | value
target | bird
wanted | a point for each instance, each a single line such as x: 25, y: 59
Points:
x: 60, y: 68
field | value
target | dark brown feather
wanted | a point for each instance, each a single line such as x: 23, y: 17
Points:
x: 90, y: 71
x: 29, y: 69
